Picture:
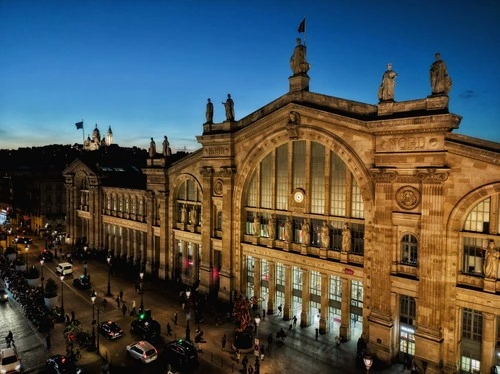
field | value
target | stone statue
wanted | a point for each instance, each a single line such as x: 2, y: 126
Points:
x: 194, y: 216
x: 209, y: 114
x: 298, y: 62
x: 346, y: 238
x: 288, y: 230
x: 229, y: 106
x: 166, y: 147
x: 271, y: 227
x: 152, y: 148
x: 490, y: 267
x: 386, y: 89
x: 184, y: 214
x: 440, y: 80
x: 325, y: 235
x: 306, y: 233
x: 256, y: 225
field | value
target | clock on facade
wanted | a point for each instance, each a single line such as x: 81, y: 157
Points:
x: 298, y: 196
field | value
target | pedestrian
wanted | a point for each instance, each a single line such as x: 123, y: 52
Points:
x: 244, y: 362
x: 72, y: 316
x: 290, y: 327
x: 250, y: 370
x: 169, y: 329
x: 280, y: 309
x: 262, y: 352
x: 223, y: 343
x: 133, y: 304
x: 118, y: 302
x: 263, y: 313
x: 67, y: 319
x: 317, y: 333
x: 47, y: 339
x: 88, y: 277
x: 121, y: 295
x: 217, y: 322
x: 175, y: 318
x: 133, y: 312
x: 124, y: 309
x: 294, y: 321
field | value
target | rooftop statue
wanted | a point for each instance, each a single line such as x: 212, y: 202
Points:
x: 386, y: 89
x: 440, y: 80
x: 298, y: 62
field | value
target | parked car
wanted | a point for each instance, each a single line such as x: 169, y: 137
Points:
x: 64, y: 268
x: 9, y: 361
x: 111, y: 330
x: 4, y: 296
x: 82, y: 282
x: 60, y: 364
x: 22, y: 239
x: 149, y: 329
x: 46, y: 255
x: 142, y: 351
x: 181, y: 354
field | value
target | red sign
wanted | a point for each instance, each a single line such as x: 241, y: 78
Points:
x: 348, y: 271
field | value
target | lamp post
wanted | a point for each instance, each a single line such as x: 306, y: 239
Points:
x: 368, y: 360
x: 92, y: 298
x: 62, y: 294
x: 41, y: 270
x: 26, y: 248
x: 109, y: 277
x: 141, y: 274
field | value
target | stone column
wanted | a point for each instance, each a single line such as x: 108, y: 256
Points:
x: 345, y: 319
x: 185, y: 257
x: 489, y: 341
x: 288, y: 293
x: 272, y: 288
x: 206, y: 222
x: 306, y: 294
x: 324, y: 326
x: 257, y: 284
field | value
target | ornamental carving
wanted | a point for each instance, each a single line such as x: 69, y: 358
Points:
x: 383, y: 175
x: 218, y: 187
x: 292, y: 125
x: 431, y: 175
x: 225, y: 171
x: 206, y: 171
x: 408, y: 197
x: 217, y: 150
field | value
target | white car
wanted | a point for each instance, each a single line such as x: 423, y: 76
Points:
x: 143, y: 351
x: 9, y: 361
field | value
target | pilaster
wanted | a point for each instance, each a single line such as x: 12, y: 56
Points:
x: 345, y: 323
x: 489, y: 342
x: 288, y: 293
x: 306, y: 290
x: 272, y: 288
x: 324, y: 326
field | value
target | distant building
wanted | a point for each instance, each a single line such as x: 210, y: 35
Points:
x: 95, y: 143
x: 365, y: 220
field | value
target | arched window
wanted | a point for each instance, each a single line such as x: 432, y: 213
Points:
x: 188, y: 204
x: 409, y: 250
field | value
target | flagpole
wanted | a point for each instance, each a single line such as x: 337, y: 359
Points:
x: 305, y: 30
x: 83, y: 133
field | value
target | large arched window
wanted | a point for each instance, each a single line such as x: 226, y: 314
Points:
x: 330, y: 190
x: 477, y: 233
x: 188, y: 204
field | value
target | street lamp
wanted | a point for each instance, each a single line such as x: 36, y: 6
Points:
x: 26, y: 248
x: 109, y: 277
x: 368, y: 360
x: 141, y: 274
x: 41, y: 269
x: 62, y: 294
x: 92, y: 298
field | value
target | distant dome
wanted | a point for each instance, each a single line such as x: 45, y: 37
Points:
x: 96, y: 134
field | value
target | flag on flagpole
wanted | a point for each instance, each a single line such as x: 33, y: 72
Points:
x: 302, y: 26
x: 79, y: 125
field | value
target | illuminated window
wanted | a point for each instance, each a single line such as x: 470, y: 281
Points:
x: 282, y: 178
x: 478, y: 219
x: 297, y: 278
x: 472, y: 324
x: 409, y: 250
x: 357, y: 294
x: 335, y: 288
x: 266, y: 181
x: 317, y: 178
x: 315, y: 283
x: 299, y: 164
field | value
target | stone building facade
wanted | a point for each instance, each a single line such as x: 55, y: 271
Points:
x: 366, y: 220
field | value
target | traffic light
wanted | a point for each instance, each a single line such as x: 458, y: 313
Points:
x: 142, y: 315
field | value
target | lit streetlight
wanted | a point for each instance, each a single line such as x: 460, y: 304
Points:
x: 62, y: 294
x: 26, y: 248
x: 92, y: 298
x: 109, y: 277
x: 41, y: 269
x: 141, y: 274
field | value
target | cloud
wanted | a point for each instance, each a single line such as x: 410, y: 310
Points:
x: 468, y: 94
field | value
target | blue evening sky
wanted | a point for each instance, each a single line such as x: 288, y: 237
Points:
x: 146, y: 68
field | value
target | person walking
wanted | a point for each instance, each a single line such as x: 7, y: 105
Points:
x: 175, y: 318
x: 121, y: 295
x: 223, y: 342
x: 118, y: 302
x: 9, y: 338
x: 280, y: 309
x: 262, y: 352
x: 250, y: 370
x: 124, y: 309
x: 244, y: 362
x: 169, y: 330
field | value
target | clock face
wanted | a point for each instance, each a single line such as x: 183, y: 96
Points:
x: 298, y: 196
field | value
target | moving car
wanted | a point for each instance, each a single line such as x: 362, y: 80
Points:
x: 60, y: 364
x: 46, y: 255
x: 4, y: 296
x: 149, y: 329
x: 110, y: 330
x: 82, y: 282
x: 142, y: 351
x: 181, y: 354
x: 64, y: 268
x: 9, y: 362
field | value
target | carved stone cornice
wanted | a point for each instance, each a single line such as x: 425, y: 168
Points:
x: 484, y: 155
x: 225, y: 171
x: 383, y: 175
x: 206, y: 171
x: 419, y: 176
x: 431, y: 176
